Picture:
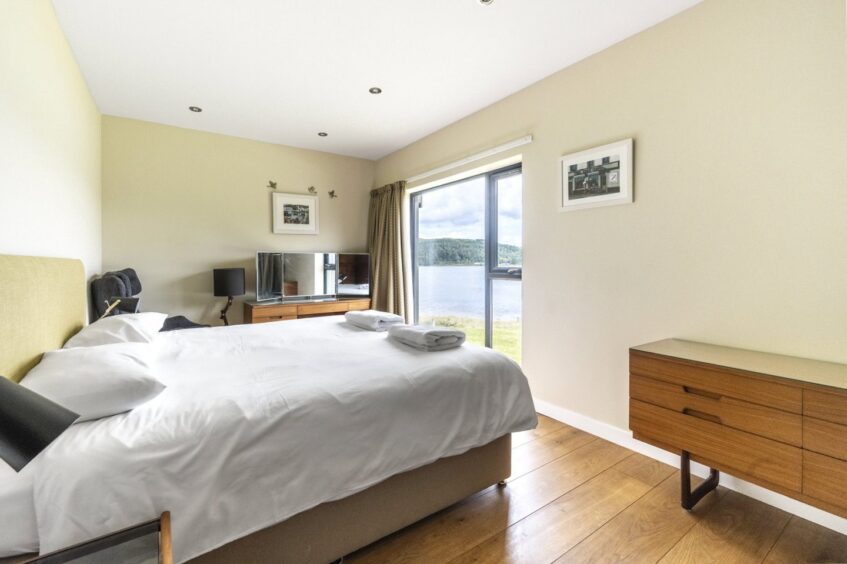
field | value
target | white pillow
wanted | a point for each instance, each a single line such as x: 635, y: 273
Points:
x: 96, y: 381
x: 125, y: 328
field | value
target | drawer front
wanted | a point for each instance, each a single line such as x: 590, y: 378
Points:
x: 698, y: 378
x: 273, y: 318
x: 760, y: 420
x: 747, y: 455
x: 322, y: 309
x: 274, y: 311
x: 825, y: 478
x: 829, y: 406
x: 358, y: 305
x: 825, y: 438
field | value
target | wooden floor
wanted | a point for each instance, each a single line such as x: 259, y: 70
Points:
x: 575, y: 498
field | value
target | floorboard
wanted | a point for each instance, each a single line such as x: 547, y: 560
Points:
x: 804, y: 541
x: 738, y: 529
x: 558, y: 526
x: 576, y: 498
x: 534, y: 454
x: 451, y: 532
x: 646, y: 530
x: 545, y: 425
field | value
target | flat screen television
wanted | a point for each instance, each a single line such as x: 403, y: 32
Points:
x: 301, y: 276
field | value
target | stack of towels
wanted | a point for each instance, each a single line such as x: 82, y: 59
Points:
x: 372, y: 320
x: 421, y: 337
x: 427, y: 337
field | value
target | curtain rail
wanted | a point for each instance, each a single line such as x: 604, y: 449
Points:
x: 472, y: 158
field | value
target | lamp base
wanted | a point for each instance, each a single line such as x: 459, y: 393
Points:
x: 225, y: 309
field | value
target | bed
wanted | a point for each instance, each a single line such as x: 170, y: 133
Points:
x: 296, y: 441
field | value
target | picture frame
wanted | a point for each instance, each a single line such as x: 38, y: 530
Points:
x: 295, y: 214
x: 601, y: 176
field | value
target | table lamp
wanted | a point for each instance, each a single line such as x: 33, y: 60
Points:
x: 229, y: 282
x: 28, y: 423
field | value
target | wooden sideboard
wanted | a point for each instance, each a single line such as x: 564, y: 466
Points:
x: 263, y: 312
x: 776, y: 421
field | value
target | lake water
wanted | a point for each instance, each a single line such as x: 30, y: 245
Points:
x: 460, y: 291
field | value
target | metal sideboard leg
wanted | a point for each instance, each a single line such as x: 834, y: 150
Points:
x: 690, y: 498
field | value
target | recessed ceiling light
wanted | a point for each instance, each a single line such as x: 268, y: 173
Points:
x: 322, y: 133
x: 195, y: 109
x: 486, y: 2
x: 375, y: 90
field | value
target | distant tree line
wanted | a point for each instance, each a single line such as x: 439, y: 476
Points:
x: 453, y: 252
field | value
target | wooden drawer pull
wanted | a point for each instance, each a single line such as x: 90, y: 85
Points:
x: 704, y: 393
x: 702, y: 415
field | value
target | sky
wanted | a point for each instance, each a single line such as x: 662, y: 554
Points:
x: 458, y: 211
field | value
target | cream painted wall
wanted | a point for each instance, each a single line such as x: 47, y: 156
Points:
x: 178, y: 203
x: 738, y: 233
x: 49, y: 141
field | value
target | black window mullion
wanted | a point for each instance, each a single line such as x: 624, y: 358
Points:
x: 490, y: 258
x: 413, y: 235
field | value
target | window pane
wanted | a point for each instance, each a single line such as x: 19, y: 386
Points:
x: 450, y: 254
x: 506, y: 326
x: 509, y: 220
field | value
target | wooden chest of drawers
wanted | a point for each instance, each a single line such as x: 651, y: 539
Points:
x: 266, y: 312
x: 776, y: 421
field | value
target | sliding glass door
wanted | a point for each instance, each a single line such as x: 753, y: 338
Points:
x: 467, y: 257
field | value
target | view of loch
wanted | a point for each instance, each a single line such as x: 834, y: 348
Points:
x: 454, y: 296
x: 460, y: 291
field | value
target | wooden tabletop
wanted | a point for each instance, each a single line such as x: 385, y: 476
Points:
x: 817, y: 372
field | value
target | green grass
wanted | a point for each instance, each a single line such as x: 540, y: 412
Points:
x: 506, y: 338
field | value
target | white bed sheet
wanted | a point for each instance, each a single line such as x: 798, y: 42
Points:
x: 18, y: 529
x: 261, y: 422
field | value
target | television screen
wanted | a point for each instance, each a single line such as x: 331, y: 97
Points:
x: 268, y: 276
x: 354, y: 274
x: 309, y: 275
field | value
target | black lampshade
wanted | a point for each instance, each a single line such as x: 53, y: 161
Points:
x: 28, y: 423
x: 229, y: 281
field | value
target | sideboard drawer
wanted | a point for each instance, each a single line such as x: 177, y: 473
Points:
x: 825, y: 405
x: 270, y: 318
x: 720, y: 383
x: 825, y: 438
x: 738, y: 452
x: 273, y: 312
x: 738, y: 414
x: 358, y: 305
x: 321, y: 309
x: 825, y: 478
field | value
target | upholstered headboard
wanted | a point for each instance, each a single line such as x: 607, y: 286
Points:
x: 42, y: 303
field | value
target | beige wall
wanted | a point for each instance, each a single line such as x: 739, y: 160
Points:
x: 178, y: 203
x: 738, y: 233
x: 49, y: 141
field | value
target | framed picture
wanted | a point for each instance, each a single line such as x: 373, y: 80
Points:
x: 295, y: 214
x: 601, y: 176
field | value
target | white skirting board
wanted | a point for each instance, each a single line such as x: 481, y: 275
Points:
x: 623, y: 437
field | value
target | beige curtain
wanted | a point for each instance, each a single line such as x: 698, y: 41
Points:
x: 385, y: 244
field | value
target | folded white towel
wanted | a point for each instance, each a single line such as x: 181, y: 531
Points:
x: 427, y: 337
x: 372, y: 320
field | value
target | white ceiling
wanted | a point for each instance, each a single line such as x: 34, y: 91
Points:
x: 282, y: 70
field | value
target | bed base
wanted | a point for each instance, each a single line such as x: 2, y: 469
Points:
x: 331, y: 530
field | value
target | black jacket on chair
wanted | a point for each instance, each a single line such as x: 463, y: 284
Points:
x: 125, y: 285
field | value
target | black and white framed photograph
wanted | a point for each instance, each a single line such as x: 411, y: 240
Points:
x: 601, y: 176
x: 295, y: 214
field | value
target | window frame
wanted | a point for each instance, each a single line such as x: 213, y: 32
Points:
x: 492, y: 269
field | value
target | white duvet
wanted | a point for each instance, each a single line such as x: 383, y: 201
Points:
x: 260, y: 422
